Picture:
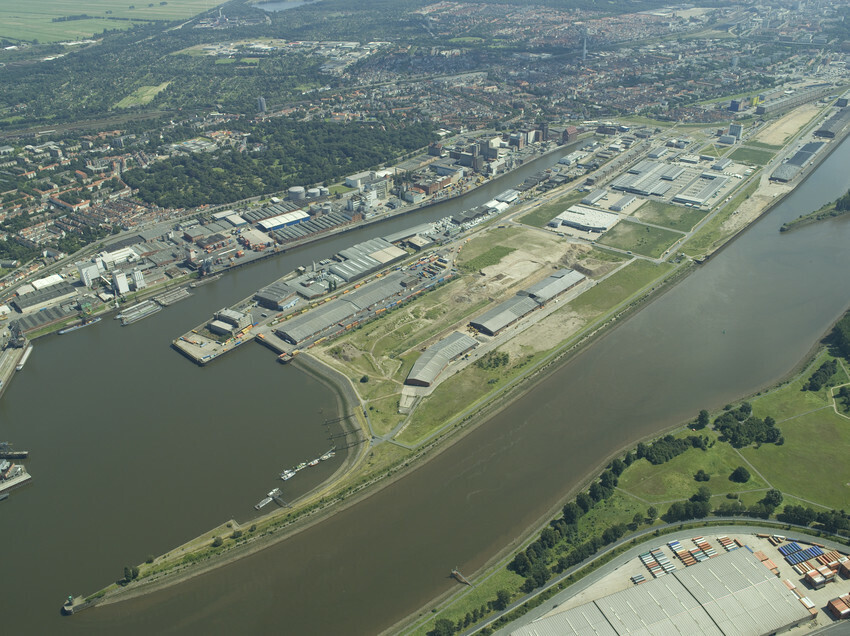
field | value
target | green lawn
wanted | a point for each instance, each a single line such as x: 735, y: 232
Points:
x: 639, y: 238
x: 750, y: 155
x: 712, y: 150
x: 618, y: 287
x: 141, y: 96
x: 812, y: 463
x: 34, y: 20
x: 493, y: 256
x: 547, y: 211
x: 760, y: 144
x: 674, y: 480
x: 676, y: 217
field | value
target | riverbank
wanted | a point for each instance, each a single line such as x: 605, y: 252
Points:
x: 829, y: 211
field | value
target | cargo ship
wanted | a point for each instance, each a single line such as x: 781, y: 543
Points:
x: 85, y: 323
x: 204, y: 281
x: 25, y: 357
x: 138, y: 312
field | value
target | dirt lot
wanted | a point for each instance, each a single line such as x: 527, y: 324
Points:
x: 777, y: 133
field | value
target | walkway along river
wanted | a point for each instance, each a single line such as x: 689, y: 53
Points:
x: 135, y: 450
x: 736, y: 325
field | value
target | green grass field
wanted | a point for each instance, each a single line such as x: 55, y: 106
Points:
x: 34, y: 20
x: 710, y: 149
x: 546, y: 212
x: 676, y: 217
x: 639, y: 238
x: 141, y: 96
x: 491, y: 257
x: 618, y: 287
x: 750, y: 155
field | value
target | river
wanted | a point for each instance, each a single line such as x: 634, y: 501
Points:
x: 135, y: 450
x: 738, y: 324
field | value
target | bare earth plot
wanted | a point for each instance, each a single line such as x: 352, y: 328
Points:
x: 780, y: 131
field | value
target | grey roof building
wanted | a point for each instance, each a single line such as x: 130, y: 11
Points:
x: 43, y: 297
x: 316, y: 321
x: 553, y: 285
x: 504, y: 314
x: 274, y: 296
x: 730, y: 595
x: 436, y: 357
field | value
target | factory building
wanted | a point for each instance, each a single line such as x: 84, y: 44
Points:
x: 437, y: 357
x: 343, y: 310
x: 119, y: 283
x: 275, y: 296
x: 553, y: 286
x: 645, y: 179
x: 699, y: 193
x: 284, y: 220
x: 236, y: 319
x: 365, y: 258
x: 39, y: 299
x: 623, y: 203
x: 730, y: 595
x: 721, y: 164
x: 594, y: 197
x: 788, y: 102
x: 585, y: 219
x: 736, y: 130
x: 138, y: 279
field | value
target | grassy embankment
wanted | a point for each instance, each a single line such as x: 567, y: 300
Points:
x: 544, y: 213
x: 812, y: 429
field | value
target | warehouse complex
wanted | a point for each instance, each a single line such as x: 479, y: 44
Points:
x: 733, y: 594
x: 510, y: 311
x: 794, y: 166
x: 585, y: 219
x: 387, y: 291
x: 437, y: 357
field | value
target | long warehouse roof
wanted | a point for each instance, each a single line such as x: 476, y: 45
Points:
x: 430, y: 364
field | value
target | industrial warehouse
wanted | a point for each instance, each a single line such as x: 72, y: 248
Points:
x: 517, y: 307
x: 794, y: 166
x: 733, y: 594
x: 342, y: 310
x: 437, y: 357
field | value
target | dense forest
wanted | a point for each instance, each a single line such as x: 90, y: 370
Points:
x: 292, y: 153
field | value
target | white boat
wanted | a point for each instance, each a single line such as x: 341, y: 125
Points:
x: 274, y: 492
x: 25, y: 357
x: 287, y: 474
x: 313, y: 462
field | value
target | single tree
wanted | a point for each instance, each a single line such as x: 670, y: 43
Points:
x: 740, y: 475
x: 652, y: 514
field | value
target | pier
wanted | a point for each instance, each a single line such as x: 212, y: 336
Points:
x: 6, y: 452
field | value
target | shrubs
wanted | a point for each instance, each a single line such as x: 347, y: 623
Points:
x: 821, y: 377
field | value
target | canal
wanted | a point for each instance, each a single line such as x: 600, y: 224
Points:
x: 136, y: 450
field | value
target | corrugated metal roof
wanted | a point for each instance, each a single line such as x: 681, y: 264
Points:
x: 732, y: 595
x: 435, y: 358
x: 551, y: 286
x: 585, y: 620
x: 317, y: 320
x: 504, y: 314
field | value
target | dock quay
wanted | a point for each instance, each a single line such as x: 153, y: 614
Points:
x: 460, y: 577
x: 138, y: 312
x: 173, y: 296
x: 9, y: 360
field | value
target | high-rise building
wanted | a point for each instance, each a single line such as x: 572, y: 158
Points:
x: 119, y: 283
x: 736, y: 131
x: 139, y: 279
x: 261, y: 104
